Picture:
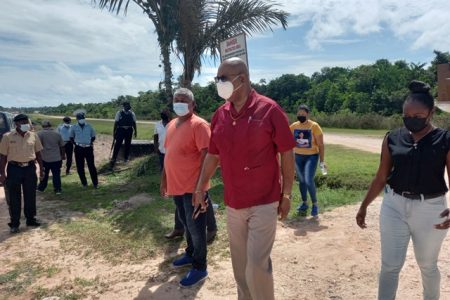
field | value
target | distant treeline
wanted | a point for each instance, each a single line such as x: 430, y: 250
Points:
x: 378, y: 89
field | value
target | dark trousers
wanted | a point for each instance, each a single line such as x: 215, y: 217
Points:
x: 55, y: 167
x: 161, y: 161
x: 211, y: 224
x: 195, y: 231
x: 121, y: 135
x: 68, y: 148
x: 18, y: 180
x: 80, y: 155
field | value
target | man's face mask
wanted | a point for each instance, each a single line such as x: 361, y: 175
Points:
x: 225, y: 89
x: 66, y: 124
x: 127, y: 107
x: 24, y: 127
x: 82, y: 121
x: 181, y: 109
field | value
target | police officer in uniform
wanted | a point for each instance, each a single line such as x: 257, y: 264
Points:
x: 125, y: 123
x: 83, y: 136
x: 19, y: 151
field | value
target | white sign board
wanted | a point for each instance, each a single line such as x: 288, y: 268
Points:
x: 235, y: 46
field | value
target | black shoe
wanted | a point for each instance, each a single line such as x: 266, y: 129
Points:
x: 33, y: 223
x: 14, y: 230
x: 174, y: 233
x: 67, y: 173
x: 211, y: 236
x: 58, y: 192
x: 96, y: 186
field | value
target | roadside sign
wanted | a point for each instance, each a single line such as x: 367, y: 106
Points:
x: 235, y: 46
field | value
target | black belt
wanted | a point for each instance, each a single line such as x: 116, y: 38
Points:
x: 21, y: 164
x: 414, y: 196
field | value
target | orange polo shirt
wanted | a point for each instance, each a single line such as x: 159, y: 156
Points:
x: 182, y: 161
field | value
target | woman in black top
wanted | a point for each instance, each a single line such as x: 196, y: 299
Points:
x: 411, y: 171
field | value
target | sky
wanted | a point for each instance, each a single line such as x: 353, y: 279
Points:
x: 54, y: 51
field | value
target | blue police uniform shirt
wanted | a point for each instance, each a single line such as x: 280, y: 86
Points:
x: 82, y: 135
x: 64, y: 131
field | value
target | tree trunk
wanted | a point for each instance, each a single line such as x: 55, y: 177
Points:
x: 165, y: 52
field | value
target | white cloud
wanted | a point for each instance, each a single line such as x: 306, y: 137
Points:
x: 424, y: 22
x: 58, y: 52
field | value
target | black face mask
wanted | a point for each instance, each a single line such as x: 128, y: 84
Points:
x: 302, y: 119
x: 415, y: 124
x: 164, y: 117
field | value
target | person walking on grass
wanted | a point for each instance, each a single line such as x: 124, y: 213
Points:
x: 309, y: 149
x: 248, y: 134
x: 19, y: 151
x: 124, y: 126
x: 64, y: 131
x: 186, y: 144
x: 411, y: 172
x: 82, y: 135
x: 52, y: 156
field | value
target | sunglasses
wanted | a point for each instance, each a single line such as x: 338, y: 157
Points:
x: 224, y: 78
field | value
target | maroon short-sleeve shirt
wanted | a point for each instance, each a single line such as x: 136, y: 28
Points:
x: 247, y: 145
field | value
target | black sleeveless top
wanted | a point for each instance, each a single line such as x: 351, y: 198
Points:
x: 418, y: 167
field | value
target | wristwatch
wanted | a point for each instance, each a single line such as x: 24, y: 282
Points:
x: 287, y: 196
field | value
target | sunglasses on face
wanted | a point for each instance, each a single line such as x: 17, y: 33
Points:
x: 224, y: 78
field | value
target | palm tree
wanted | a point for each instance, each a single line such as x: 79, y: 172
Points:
x: 163, y: 15
x: 204, y: 24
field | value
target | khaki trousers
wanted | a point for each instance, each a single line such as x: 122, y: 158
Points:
x: 251, y: 233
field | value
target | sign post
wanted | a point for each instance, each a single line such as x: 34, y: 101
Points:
x: 235, y: 46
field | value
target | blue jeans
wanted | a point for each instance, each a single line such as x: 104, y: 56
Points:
x: 195, y: 230
x: 305, y: 166
x: 402, y: 220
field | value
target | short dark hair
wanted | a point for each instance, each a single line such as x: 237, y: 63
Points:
x: 67, y: 119
x: 303, y: 107
x: 420, y: 92
x: 20, y: 117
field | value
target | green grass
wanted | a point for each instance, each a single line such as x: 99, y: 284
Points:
x: 138, y: 234
x: 365, y: 132
x: 16, y: 281
x: 145, y: 130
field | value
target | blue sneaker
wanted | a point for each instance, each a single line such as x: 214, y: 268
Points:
x: 183, y: 261
x: 193, y: 277
x: 302, y: 208
x: 314, y: 210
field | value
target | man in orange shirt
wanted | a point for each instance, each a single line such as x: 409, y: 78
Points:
x: 187, y: 141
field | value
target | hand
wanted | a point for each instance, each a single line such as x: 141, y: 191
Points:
x: 446, y: 224
x: 199, y: 203
x: 41, y: 175
x: 163, y: 190
x: 284, y: 207
x: 361, y: 217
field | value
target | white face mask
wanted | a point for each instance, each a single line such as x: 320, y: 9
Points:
x: 66, y: 125
x: 82, y: 121
x: 181, y: 109
x: 24, y: 127
x: 225, y: 88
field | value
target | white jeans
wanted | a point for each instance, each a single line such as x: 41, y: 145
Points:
x: 402, y: 219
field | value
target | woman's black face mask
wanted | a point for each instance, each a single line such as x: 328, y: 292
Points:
x: 415, y: 124
x: 302, y: 119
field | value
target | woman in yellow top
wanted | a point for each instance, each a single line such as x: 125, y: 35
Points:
x: 308, y: 150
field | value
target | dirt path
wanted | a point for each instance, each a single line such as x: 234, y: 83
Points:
x: 328, y: 258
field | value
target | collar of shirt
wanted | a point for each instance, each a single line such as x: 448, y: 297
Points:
x: 17, y: 133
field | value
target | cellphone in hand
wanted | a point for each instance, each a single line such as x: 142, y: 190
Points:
x: 198, y: 209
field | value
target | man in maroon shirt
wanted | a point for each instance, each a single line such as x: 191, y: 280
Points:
x: 247, y: 133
